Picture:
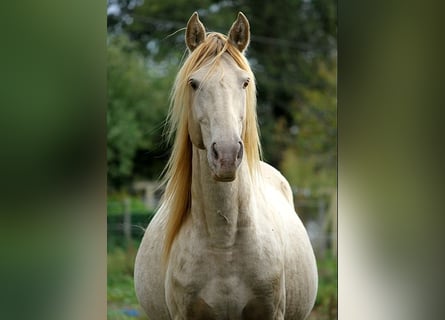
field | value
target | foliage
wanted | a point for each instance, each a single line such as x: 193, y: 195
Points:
x: 316, y: 116
x: 137, y: 106
x: 291, y: 41
x: 115, y: 205
x: 310, y: 158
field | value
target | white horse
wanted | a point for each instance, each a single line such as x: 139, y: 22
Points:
x: 226, y: 242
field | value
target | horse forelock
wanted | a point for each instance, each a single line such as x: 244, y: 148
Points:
x: 177, y: 174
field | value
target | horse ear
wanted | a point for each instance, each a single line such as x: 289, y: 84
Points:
x: 195, y: 32
x: 239, y: 33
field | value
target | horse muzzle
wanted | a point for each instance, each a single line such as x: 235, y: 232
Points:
x: 224, y: 159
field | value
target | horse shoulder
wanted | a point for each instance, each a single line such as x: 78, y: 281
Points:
x: 277, y: 180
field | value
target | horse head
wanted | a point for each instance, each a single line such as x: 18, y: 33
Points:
x: 217, y: 114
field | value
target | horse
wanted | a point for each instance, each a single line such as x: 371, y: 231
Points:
x: 225, y: 242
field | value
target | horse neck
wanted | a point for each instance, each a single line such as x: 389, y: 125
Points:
x: 219, y: 209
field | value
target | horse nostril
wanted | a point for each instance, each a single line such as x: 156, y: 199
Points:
x: 214, y: 152
x: 240, y: 151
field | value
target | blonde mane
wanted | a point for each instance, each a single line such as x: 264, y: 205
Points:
x: 178, y: 172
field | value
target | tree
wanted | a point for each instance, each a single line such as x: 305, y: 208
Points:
x: 137, y: 106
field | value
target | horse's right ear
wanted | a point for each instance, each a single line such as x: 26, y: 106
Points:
x: 195, y: 33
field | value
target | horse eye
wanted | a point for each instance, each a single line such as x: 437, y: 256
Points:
x: 193, y: 83
x: 246, y: 83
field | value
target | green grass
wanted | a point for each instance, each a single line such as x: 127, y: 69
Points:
x: 327, y: 296
x: 120, y: 285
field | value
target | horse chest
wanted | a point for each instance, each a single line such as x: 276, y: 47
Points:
x: 225, y: 284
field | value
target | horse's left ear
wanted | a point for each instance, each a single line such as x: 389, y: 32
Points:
x: 195, y: 32
x: 239, y: 33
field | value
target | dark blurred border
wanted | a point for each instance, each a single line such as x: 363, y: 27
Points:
x: 53, y: 158
x: 390, y: 109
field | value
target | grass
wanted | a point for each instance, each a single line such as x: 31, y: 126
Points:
x: 121, y: 297
x: 327, y: 296
x: 122, y: 303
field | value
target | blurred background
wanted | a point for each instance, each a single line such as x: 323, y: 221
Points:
x: 293, y: 54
